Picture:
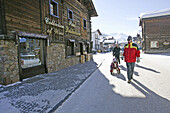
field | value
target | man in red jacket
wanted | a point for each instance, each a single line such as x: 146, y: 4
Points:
x: 131, y: 51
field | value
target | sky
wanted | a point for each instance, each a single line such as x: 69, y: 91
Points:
x: 121, y: 16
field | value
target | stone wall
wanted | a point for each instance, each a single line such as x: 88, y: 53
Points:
x: 56, y: 58
x: 9, y: 71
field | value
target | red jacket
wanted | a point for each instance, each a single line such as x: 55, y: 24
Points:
x: 131, y: 51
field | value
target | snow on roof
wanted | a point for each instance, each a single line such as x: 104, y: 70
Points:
x: 109, y: 41
x: 164, y: 12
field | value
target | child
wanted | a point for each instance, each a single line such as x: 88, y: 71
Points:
x: 113, y: 66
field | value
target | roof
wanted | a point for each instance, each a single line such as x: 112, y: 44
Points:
x: 99, y: 32
x: 154, y: 14
x: 91, y: 8
x: 159, y: 13
x: 109, y: 41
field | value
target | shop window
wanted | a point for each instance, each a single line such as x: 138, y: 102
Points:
x: 31, y: 52
x: 54, y: 8
x: 84, y: 23
x: 70, y: 14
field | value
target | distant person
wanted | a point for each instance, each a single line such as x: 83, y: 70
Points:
x: 116, y: 52
x: 131, y: 51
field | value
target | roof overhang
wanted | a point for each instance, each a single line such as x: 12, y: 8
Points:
x: 154, y: 14
x: 90, y: 6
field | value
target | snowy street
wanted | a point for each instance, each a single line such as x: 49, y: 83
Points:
x: 149, y: 92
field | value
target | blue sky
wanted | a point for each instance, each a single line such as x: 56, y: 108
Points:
x: 121, y: 16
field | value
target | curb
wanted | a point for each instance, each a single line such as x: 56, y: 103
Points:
x: 62, y: 101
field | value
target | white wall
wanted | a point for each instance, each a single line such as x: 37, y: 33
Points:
x: 96, y: 40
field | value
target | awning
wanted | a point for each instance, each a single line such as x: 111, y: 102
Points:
x: 31, y: 35
x: 88, y: 42
x: 71, y: 40
x: 81, y: 42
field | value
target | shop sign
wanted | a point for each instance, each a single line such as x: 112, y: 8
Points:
x: 72, y: 24
x: 53, y: 23
x: 72, y: 31
x: 24, y: 34
x: 4, y: 45
x: 166, y: 43
x: 56, y: 31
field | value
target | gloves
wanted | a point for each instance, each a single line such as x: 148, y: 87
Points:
x: 138, y: 59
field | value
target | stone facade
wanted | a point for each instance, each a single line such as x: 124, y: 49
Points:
x: 9, y: 72
x: 35, y: 39
x: 57, y: 59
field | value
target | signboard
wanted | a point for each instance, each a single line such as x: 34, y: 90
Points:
x: 166, y: 43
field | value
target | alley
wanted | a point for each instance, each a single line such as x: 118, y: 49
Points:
x: 105, y: 93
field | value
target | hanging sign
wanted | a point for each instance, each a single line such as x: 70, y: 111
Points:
x: 166, y: 43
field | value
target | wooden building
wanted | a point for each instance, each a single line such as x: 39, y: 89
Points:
x: 156, y: 31
x: 42, y: 36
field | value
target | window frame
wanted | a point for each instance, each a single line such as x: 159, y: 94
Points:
x: 154, y: 44
x: 84, y: 25
x: 50, y: 1
x: 69, y: 10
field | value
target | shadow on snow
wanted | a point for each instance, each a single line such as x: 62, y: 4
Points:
x: 151, y: 103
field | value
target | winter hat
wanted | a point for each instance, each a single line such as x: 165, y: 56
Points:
x: 129, y: 38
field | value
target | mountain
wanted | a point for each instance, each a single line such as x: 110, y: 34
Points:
x: 120, y: 37
x: 104, y: 35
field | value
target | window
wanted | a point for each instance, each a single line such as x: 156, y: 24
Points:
x: 154, y: 44
x: 70, y: 14
x: 54, y: 8
x: 84, y: 23
x: 31, y: 52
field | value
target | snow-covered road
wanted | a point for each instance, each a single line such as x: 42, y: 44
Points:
x: 149, y: 92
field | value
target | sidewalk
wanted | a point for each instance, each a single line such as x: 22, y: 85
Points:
x: 44, y: 93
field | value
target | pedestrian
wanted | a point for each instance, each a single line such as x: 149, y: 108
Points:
x: 116, y: 52
x: 131, y: 52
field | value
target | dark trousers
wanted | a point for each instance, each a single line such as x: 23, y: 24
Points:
x: 117, y: 57
x: 130, y: 70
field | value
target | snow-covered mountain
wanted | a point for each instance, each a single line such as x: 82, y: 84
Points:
x: 120, y: 37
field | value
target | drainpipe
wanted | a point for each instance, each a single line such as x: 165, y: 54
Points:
x: 144, y: 28
x: 41, y: 20
x: 91, y: 45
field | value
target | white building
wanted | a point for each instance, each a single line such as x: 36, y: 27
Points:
x: 96, y: 40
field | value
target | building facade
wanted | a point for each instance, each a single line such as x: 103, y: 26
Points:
x: 96, y: 40
x: 42, y: 36
x: 156, y: 31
